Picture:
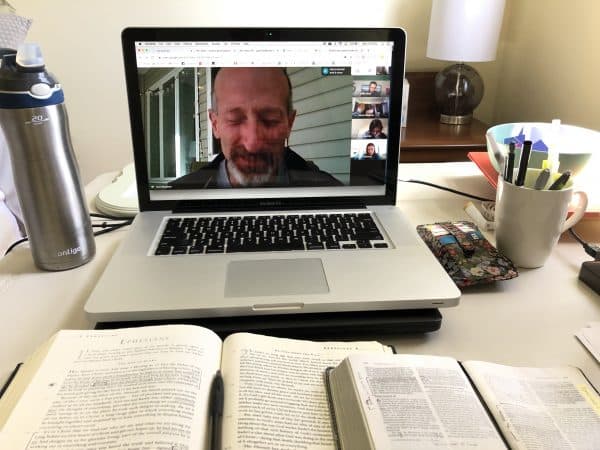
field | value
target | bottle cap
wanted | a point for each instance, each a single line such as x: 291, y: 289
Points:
x: 29, y: 56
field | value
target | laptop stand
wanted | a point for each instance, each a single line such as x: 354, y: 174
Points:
x: 318, y: 326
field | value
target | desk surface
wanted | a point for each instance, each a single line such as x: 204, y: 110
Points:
x: 530, y: 320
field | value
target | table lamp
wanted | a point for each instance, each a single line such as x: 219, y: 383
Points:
x: 463, y: 31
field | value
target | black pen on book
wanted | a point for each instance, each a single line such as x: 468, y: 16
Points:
x: 509, y: 167
x: 523, y: 163
x: 217, y: 394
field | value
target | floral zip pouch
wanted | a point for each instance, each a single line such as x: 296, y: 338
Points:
x: 465, y: 253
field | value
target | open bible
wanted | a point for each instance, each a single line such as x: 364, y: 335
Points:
x: 433, y: 402
x: 150, y: 387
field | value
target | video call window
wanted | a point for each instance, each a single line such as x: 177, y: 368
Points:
x: 331, y: 110
x: 377, y: 107
x: 371, y: 149
x: 369, y: 128
x: 369, y: 87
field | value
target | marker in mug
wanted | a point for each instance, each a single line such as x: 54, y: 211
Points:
x: 525, y: 153
x: 560, y: 181
x: 542, y: 179
x: 510, y: 163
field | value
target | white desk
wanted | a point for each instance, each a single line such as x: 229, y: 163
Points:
x: 530, y: 320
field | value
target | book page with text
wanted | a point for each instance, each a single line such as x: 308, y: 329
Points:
x: 275, y: 393
x: 421, y: 402
x: 129, y: 388
x: 540, y: 408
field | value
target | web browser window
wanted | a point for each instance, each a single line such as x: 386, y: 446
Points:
x: 245, y: 117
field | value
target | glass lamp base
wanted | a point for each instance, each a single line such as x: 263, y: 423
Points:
x: 456, y: 120
x: 458, y: 91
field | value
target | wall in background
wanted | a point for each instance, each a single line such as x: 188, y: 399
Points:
x: 550, y: 63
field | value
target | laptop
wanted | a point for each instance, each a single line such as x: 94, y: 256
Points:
x: 266, y: 163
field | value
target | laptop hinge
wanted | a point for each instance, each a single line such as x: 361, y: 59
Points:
x: 268, y: 204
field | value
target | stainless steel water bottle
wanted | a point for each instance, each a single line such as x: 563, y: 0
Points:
x: 34, y: 121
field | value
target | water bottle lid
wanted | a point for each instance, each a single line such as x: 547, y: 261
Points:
x: 29, y: 55
x: 24, y: 81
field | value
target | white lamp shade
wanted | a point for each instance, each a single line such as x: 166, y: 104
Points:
x: 465, y: 30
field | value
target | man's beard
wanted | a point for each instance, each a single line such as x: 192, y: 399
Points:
x: 252, y: 178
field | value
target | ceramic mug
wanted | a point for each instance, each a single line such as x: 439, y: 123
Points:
x: 529, y: 221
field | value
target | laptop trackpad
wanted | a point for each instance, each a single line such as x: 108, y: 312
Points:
x: 275, y: 277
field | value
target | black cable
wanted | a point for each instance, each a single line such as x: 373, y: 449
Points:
x: 444, y: 188
x: 111, y: 223
x: 576, y: 236
x: 107, y: 228
x: 110, y: 228
x: 14, y: 244
x: 106, y: 216
x: 591, y: 249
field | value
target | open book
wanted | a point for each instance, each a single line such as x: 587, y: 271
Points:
x: 433, y: 402
x: 149, y: 388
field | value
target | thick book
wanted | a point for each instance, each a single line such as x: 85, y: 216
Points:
x: 150, y: 388
x: 433, y: 402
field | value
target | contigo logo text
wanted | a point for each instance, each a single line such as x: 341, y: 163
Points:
x: 69, y: 251
x: 37, y: 120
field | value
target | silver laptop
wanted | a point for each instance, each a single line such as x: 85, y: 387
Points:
x: 266, y: 164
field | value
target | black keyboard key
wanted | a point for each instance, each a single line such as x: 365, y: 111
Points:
x: 380, y: 245
x: 348, y: 246
x: 180, y: 250
x: 163, y: 250
x: 286, y: 246
x: 235, y: 248
x: 363, y: 244
x: 332, y: 245
x: 368, y: 236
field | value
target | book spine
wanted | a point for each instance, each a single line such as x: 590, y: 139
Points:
x: 336, y: 435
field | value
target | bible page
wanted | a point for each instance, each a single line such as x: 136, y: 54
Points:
x: 540, y: 408
x: 275, y: 393
x: 129, y: 388
x: 421, y: 402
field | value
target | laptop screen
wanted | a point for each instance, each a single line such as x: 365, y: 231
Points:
x: 278, y: 118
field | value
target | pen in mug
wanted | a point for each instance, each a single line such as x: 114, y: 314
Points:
x: 523, y: 163
x: 542, y: 179
x: 509, y: 167
x: 560, y: 181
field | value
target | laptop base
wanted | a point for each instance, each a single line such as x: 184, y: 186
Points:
x: 318, y: 326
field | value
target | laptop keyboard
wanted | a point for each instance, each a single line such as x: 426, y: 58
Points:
x: 267, y: 233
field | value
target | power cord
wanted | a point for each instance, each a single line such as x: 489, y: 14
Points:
x: 590, y: 270
x: 109, y: 224
x: 108, y: 227
x: 14, y: 244
x: 445, y: 188
x: 591, y: 249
